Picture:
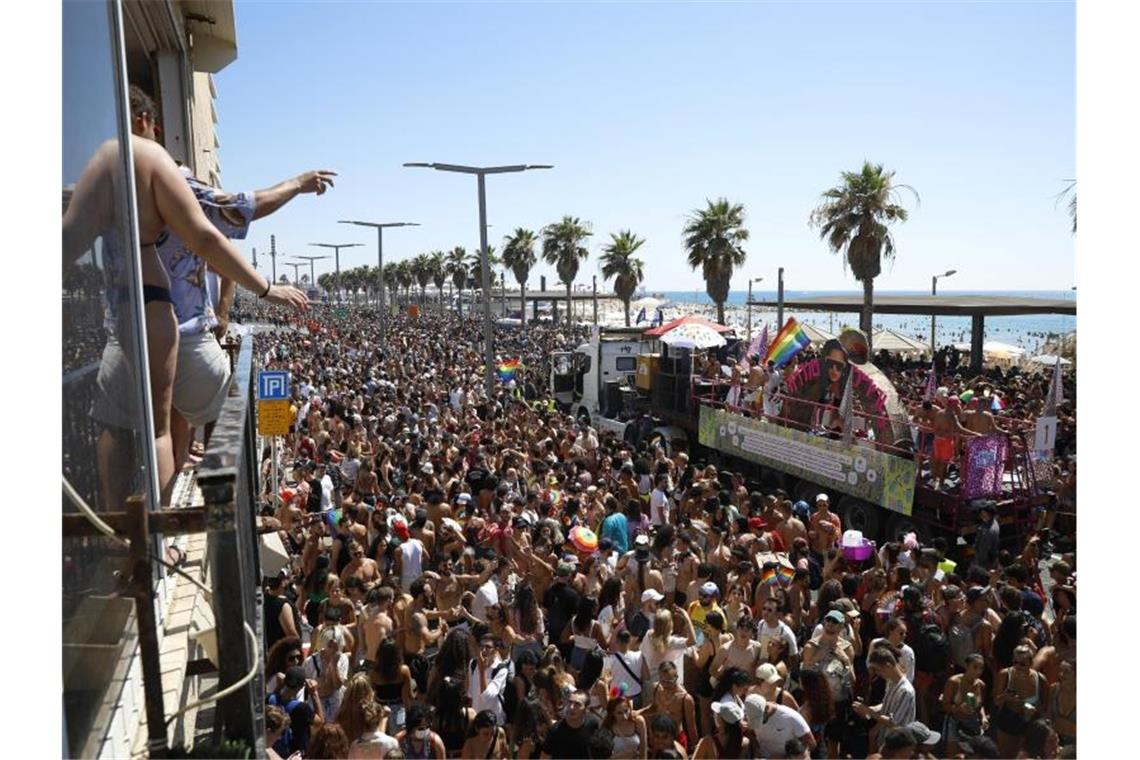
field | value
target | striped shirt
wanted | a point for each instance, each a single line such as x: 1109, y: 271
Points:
x: 898, y: 702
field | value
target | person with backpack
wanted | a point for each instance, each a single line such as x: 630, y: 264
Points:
x: 898, y: 706
x: 488, y: 676
x: 301, y: 703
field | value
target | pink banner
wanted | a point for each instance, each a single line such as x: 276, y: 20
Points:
x: 985, y: 464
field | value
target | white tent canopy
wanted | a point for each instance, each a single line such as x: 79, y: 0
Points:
x: 1049, y: 360
x: 646, y: 302
x: 894, y: 342
x: 815, y: 335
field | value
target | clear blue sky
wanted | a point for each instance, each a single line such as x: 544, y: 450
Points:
x: 647, y: 109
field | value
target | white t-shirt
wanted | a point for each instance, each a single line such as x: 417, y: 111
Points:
x: 780, y: 630
x: 906, y: 658
x: 326, y: 493
x: 496, y: 682
x: 773, y: 733
x: 606, y: 618
x: 633, y: 659
x: 658, y: 507
x: 411, y: 562
x: 372, y: 746
x: 674, y: 652
x: 485, y: 596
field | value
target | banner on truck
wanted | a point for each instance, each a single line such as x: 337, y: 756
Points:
x: 854, y: 469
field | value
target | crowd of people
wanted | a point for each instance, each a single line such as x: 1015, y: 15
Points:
x: 487, y: 576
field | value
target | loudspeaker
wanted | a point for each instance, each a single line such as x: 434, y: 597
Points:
x: 611, y: 394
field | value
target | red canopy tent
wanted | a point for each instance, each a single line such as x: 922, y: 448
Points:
x: 657, y: 332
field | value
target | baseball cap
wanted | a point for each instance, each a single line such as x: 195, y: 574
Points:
x: 754, y: 707
x: 801, y: 509
x: 768, y: 673
x: 821, y: 497
x: 653, y: 594
x: 730, y: 712
x: 834, y: 616
x: 295, y: 677
x: 973, y: 593
x: 922, y: 734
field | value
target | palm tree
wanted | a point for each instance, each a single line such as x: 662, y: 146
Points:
x: 392, y: 281
x: 713, y: 237
x: 438, y: 272
x: 421, y: 270
x: 405, y: 277
x: 518, y: 256
x: 562, y: 247
x: 853, y: 219
x: 457, y: 268
x: 1070, y: 191
x: 475, y: 267
x: 619, y: 263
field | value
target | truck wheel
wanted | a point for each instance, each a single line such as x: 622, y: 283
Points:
x: 861, y: 516
x: 901, y: 525
x: 805, y: 490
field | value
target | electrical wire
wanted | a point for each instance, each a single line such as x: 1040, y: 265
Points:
x: 89, y: 513
x: 232, y: 687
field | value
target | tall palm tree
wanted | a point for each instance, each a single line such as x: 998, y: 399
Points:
x: 406, y: 279
x: 713, y: 237
x: 853, y: 219
x: 475, y: 266
x: 626, y: 270
x: 518, y: 256
x: 457, y: 268
x: 438, y: 272
x: 421, y: 270
x: 562, y: 247
x: 392, y: 281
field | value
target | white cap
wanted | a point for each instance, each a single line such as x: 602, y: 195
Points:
x: 653, y: 594
x: 729, y: 712
x: 768, y: 673
x: 754, y: 707
x: 821, y: 497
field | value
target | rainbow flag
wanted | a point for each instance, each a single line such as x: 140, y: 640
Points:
x: 790, y: 341
x: 508, y: 368
x: 778, y: 577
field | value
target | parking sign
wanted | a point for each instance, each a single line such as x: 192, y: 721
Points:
x: 272, y: 385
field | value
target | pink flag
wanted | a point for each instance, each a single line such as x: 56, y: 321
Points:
x: 760, y: 344
x: 931, y: 384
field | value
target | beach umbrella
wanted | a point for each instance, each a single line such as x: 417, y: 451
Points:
x: 1049, y: 360
x: 817, y: 336
x: 894, y: 342
x: 692, y: 335
x: 584, y: 539
x: 998, y: 350
x: 648, y: 303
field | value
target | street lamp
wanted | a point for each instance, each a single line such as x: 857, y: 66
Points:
x: 336, y: 247
x: 312, y: 267
x: 481, y: 172
x: 754, y: 279
x: 380, y: 261
x: 934, y: 292
x: 296, y: 266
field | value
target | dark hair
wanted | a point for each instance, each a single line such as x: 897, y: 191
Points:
x: 141, y: 103
x: 418, y: 586
x: 275, y: 659
x: 601, y: 744
x: 449, y: 705
x: 416, y: 715
x: 591, y: 669
x: 389, y: 658
x: 664, y: 723
x: 817, y: 693
x: 483, y: 719
x: 328, y: 742
x: 732, y: 676
x: 610, y: 593
x: 526, y: 604
x: 1036, y: 735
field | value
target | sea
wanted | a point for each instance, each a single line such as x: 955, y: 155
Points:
x: 1030, y: 331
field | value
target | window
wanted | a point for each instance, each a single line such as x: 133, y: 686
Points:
x: 627, y: 364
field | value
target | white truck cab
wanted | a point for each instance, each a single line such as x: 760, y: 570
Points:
x: 579, y: 378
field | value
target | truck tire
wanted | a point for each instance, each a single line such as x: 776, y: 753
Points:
x: 902, y: 524
x: 861, y: 516
x: 805, y: 490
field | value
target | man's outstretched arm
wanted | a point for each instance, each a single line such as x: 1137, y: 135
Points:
x: 272, y: 198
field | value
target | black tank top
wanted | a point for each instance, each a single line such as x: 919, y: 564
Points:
x: 273, y: 630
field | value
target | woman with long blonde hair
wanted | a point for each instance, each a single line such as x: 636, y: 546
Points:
x: 357, y: 694
x: 662, y: 646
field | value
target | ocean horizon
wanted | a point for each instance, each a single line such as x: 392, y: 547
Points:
x: 1029, y: 331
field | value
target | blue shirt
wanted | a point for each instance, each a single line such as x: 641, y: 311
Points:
x: 231, y: 214
x: 616, y: 529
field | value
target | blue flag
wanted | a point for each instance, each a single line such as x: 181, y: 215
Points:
x: 640, y: 316
x: 659, y: 318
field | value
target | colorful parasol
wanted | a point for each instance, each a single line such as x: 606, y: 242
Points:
x: 584, y: 539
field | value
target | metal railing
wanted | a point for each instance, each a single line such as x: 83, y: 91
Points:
x: 227, y: 477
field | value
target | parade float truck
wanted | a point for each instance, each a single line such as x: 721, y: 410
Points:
x: 877, y: 471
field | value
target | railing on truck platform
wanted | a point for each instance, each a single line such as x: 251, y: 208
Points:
x: 945, y: 508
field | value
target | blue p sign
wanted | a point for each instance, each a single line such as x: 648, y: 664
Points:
x: 272, y: 385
